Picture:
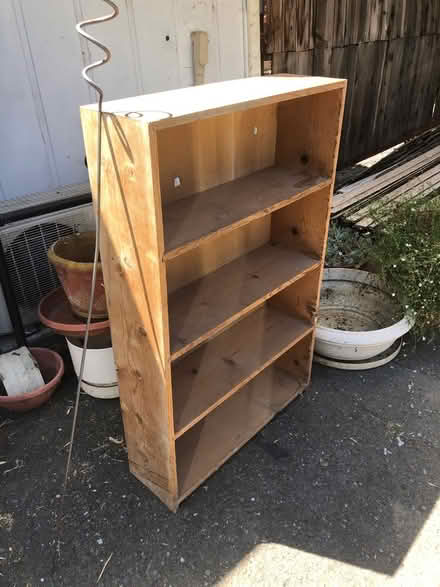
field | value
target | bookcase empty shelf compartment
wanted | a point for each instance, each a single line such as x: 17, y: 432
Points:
x: 207, y: 445
x: 214, y: 211
x: 214, y: 371
x: 203, y: 215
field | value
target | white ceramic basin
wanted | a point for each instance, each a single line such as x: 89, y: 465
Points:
x: 356, y: 317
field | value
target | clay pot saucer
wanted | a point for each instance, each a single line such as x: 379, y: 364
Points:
x: 55, y: 312
x: 52, y: 369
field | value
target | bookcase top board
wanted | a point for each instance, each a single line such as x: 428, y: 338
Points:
x: 170, y: 108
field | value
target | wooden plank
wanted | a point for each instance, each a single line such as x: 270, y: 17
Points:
x: 389, y: 91
x: 300, y: 62
x: 366, y: 221
x: 353, y: 16
x: 422, y: 181
x: 397, y: 19
x: 425, y: 97
x: 203, y: 216
x: 301, y: 226
x: 204, y: 448
x: 131, y: 251
x: 324, y: 11
x: 279, y: 63
x: 289, y: 25
x: 361, y: 189
x: 345, y: 59
x: 364, y: 112
x: 298, y: 360
x: 299, y: 299
x: 209, y: 152
x: 379, y: 20
x: 322, y: 61
x: 212, y: 254
x: 339, y: 22
x: 175, y: 107
x: 277, y: 26
x: 215, y: 371
x: 315, y: 135
x: 414, y: 17
x: 304, y: 28
x: 195, y: 311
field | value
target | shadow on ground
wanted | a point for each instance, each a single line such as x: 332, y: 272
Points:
x: 349, y: 471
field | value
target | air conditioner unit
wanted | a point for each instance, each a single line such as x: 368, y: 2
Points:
x: 25, y: 244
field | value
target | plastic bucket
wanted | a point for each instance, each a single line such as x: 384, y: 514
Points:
x: 99, y: 378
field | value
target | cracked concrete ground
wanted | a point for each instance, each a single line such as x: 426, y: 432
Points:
x: 340, y: 489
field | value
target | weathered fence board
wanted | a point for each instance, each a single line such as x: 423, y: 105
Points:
x: 389, y: 50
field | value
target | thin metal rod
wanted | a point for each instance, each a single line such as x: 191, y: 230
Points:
x: 85, y: 71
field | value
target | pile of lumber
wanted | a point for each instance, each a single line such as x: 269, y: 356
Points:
x: 409, y: 172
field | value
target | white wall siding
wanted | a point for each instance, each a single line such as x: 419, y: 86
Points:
x: 41, y: 57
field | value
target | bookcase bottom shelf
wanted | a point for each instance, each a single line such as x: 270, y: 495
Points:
x: 206, y: 446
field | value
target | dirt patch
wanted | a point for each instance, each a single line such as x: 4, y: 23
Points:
x: 6, y: 522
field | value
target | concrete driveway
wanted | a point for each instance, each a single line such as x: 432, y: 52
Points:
x: 340, y: 489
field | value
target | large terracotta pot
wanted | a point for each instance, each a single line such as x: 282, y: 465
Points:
x: 72, y: 257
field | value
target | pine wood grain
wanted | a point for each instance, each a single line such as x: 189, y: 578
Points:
x: 175, y: 107
x: 211, y: 254
x: 205, y: 447
x: 224, y: 208
x: 131, y: 251
x: 216, y: 150
x: 218, y: 369
x: 204, y: 307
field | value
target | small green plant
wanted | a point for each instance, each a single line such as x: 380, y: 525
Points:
x: 406, y: 252
x: 346, y: 247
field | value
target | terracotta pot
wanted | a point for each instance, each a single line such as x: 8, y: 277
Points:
x: 52, y: 368
x: 56, y: 313
x: 72, y: 257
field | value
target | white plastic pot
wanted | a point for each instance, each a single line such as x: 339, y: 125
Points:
x: 356, y: 317
x: 99, y: 378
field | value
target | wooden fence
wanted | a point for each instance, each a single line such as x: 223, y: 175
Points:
x: 389, y: 50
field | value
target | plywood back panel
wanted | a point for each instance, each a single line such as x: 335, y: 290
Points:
x: 298, y: 360
x: 308, y: 131
x: 211, y: 151
x: 212, y: 254
x: 299, y: 299
x: 302, y: 225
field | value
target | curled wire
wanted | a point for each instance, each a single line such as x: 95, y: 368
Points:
x: 107, y: 54
x: 85, y: 74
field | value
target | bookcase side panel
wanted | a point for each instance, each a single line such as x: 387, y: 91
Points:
x: 134, y: 274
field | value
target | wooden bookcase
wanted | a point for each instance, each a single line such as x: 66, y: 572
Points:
x: 215, y: 209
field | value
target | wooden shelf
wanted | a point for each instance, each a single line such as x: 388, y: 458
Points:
x: 216, y: 201
x: 202, y: 308
x: 212, y: 373
x: 225, y: 207
x: 212, y: 441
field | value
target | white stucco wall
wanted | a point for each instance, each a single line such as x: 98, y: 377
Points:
x: 41, y: 57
